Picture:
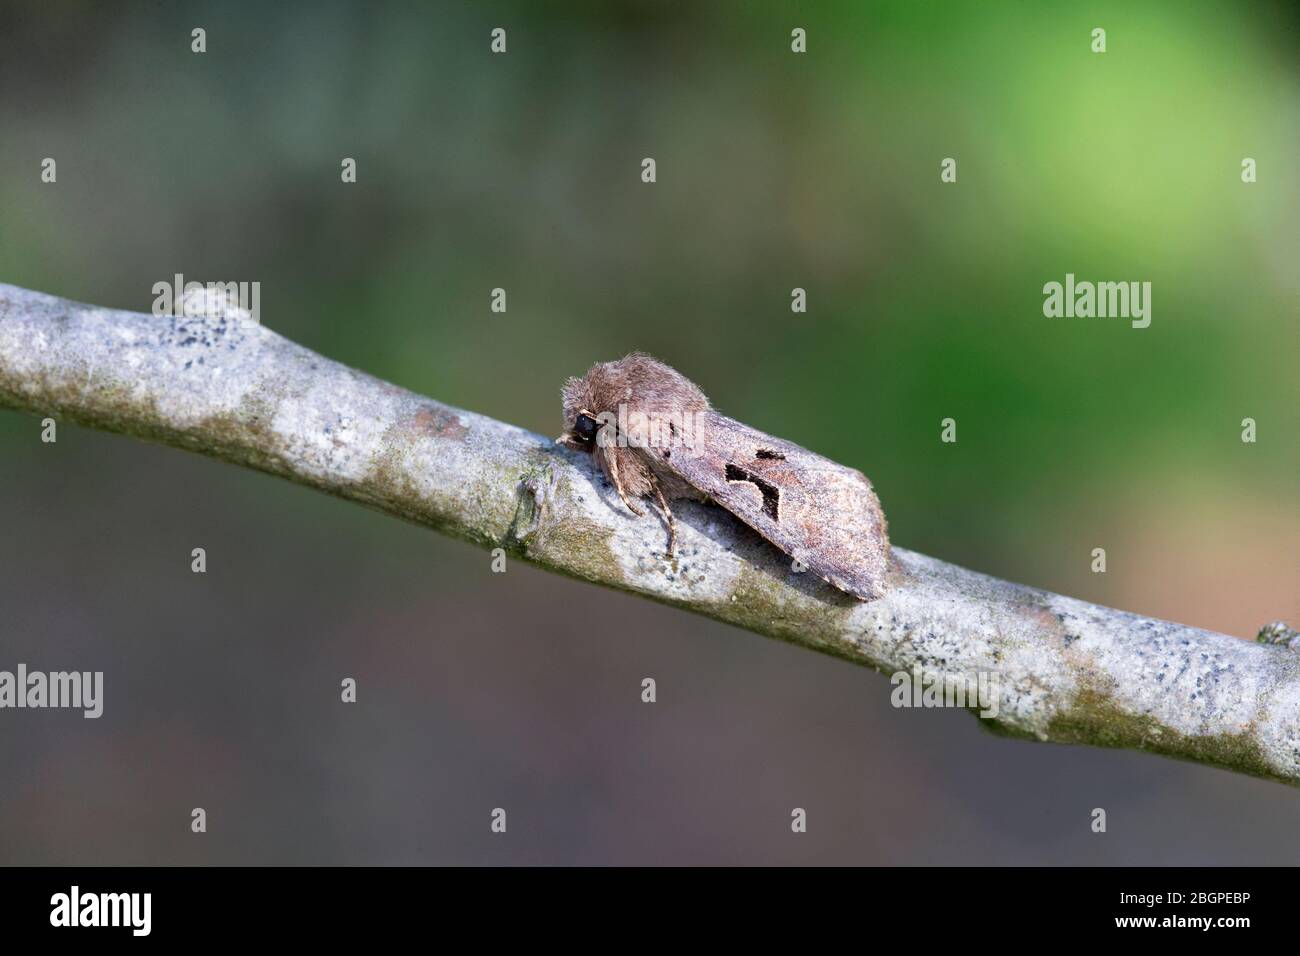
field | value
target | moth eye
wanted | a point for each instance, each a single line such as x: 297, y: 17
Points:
x: 585, y: 429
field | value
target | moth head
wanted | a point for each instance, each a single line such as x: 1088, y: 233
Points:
x: 636, y: 383
x: 581, y: 433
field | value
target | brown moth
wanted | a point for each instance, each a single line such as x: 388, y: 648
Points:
x: 654, y: 434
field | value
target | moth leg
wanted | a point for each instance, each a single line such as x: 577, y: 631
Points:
x: 618, y: 485
x: 668, y: 517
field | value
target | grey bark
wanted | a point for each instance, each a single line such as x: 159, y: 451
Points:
x: 1061, y: 669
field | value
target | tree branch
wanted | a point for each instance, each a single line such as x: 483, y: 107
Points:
x: 1063, y: 670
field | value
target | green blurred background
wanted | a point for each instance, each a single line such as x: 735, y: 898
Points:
x: 522, y: 171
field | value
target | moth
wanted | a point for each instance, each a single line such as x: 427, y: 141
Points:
x: 655, y: 436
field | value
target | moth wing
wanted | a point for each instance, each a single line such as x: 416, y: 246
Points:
x: 819, y: 512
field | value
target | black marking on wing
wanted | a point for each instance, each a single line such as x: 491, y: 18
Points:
x: 771, y: 493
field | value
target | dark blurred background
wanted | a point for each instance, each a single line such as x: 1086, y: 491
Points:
x: 775, y: 170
